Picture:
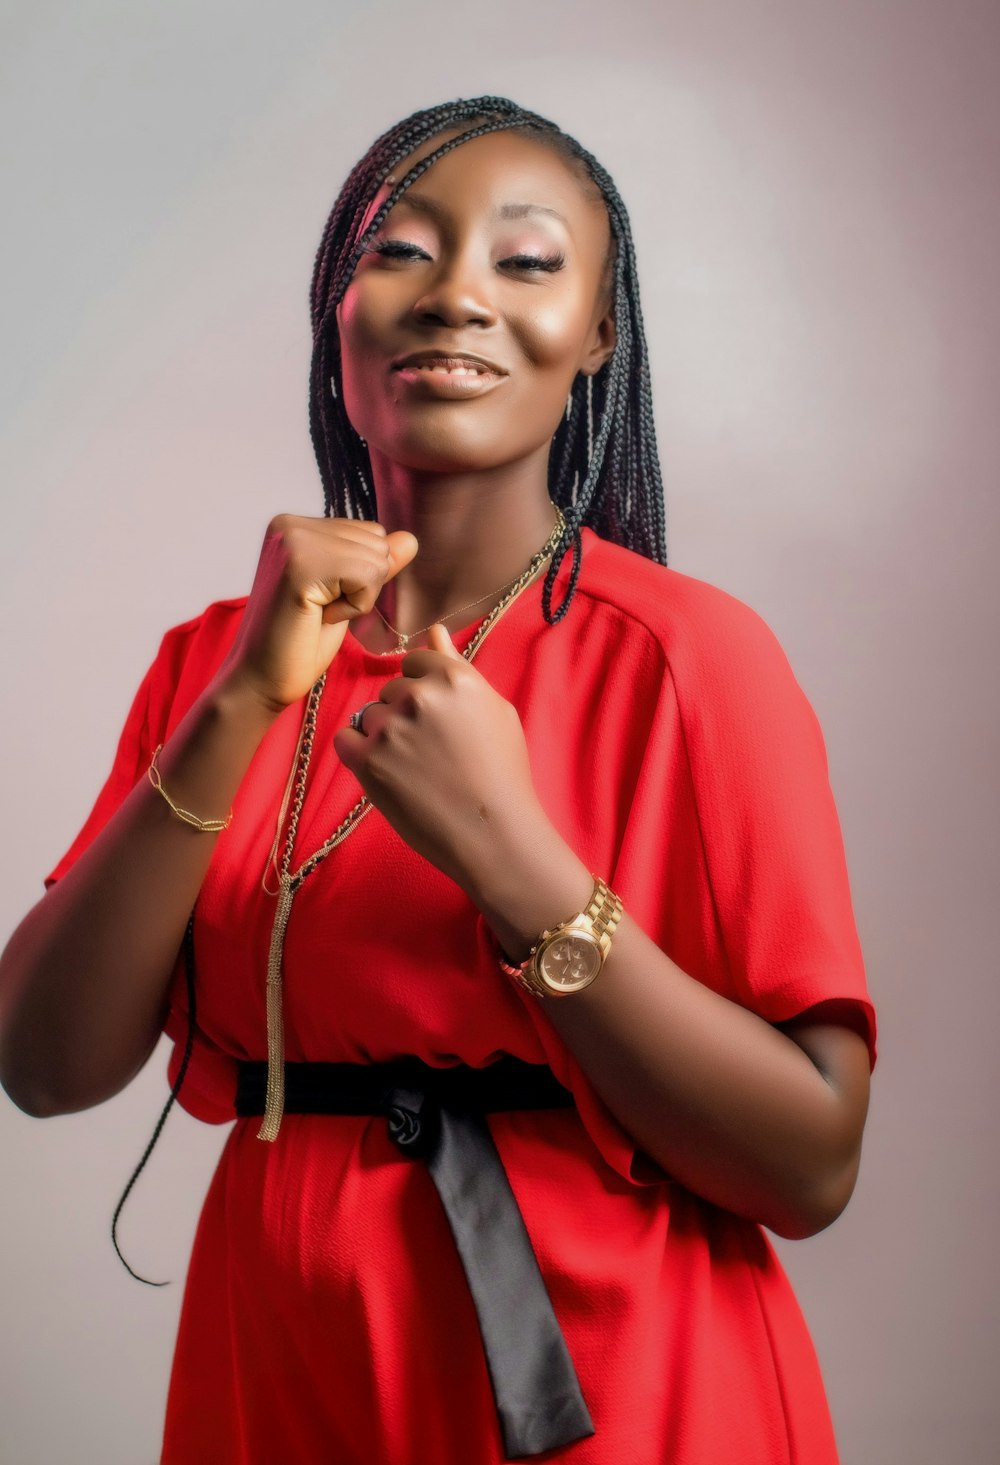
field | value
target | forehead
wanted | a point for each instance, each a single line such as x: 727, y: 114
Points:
x: 504, y: 175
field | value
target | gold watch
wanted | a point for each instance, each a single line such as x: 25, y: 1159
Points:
x: 568, y: 957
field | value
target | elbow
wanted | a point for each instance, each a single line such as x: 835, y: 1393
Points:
x: 44, y: 1090
x: 26, y: 1093
x: 40, y: 1100
x: 816, y: 1204
x: 32, y: 1086
x: 28, y: 1086
x: 31, y: 1098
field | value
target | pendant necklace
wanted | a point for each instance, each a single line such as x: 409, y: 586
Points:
x: 403, y: 640
x: 289, y: 880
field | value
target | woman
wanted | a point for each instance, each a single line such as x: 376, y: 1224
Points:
x: 586, y: 942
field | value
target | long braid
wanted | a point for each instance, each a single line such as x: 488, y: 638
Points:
x: 612, y: 484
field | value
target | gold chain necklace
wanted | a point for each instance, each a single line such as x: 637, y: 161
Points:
x: 290, y: 880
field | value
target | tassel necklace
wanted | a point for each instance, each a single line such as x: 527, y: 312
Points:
x: 289, y: 880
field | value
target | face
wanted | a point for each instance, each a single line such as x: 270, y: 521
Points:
x: 496, y: 255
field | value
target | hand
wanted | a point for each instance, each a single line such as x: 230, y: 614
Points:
x: 314, y: 576
x: 444, y: 758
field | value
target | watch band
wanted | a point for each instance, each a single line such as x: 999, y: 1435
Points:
x: 595, y: 925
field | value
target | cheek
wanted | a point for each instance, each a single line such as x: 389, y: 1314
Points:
x: 358, y: 353
x: 553, y: 333
x: 356, y: 337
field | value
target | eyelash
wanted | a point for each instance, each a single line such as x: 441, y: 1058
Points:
x: 400, y: 249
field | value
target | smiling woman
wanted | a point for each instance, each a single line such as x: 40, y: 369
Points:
x: 526, y: 962
x: 466, y: 254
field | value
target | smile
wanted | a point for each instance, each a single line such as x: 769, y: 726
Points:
x: 449, y: 361
x: 448, y: 378
x: 450, y: 370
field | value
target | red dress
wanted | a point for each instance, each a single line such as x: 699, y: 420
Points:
x: 326, y: 1317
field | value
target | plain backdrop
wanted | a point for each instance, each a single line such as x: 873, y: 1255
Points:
x: 813, y: 191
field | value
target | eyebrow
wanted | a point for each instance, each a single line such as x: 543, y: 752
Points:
x: 424, y: 205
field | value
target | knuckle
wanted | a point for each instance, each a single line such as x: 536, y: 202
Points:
x: 417, y: 700
x: 372, y: 571
x: 293, y: 538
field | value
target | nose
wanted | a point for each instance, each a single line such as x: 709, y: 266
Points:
x: 458, y: 294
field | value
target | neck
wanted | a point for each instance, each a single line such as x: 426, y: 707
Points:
x: 476, y: 531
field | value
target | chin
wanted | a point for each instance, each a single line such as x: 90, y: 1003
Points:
x: 450, y: 452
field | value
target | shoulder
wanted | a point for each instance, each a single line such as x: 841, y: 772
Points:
x: 697, y: 626
x: 729, y: 675
x: 189, y: 655
x: 218, y: 619
x: 204, y: 636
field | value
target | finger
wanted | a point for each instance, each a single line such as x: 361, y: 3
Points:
x: 395, y: 693
x: 354, y: 591
x: 350, y: 747
x: 439, y: 639
x: 428, y: 662
x: 361, y: 530
x: 422, y: 663
x: 374, y: 720
x: 402, y: 548
x: 390, y: 553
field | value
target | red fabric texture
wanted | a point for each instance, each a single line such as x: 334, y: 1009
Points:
x: 326, y: 1316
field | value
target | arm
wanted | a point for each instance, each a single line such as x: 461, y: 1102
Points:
x: 84, y: 978
x: 763, y: 1122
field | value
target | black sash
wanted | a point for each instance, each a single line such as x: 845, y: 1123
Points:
x: 436, y: 1114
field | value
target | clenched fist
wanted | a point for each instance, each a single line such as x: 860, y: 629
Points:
x: 314, y: 576
x: 443, y: 756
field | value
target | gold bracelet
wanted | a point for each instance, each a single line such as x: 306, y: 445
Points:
x: 206, y: 826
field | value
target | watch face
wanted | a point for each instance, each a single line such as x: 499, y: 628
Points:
x: 569, y: 962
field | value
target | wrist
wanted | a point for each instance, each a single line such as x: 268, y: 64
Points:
x: 569, y: 956
x: 233, y: 702
x: 531, y: 882
x: 204, y: 759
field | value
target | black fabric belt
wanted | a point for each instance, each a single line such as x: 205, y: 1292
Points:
x: 435, y: 1114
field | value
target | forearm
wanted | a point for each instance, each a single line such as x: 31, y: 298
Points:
x: 83, y: 980
x: 724, y: 1102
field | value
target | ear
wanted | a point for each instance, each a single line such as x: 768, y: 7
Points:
x: 603, y: 341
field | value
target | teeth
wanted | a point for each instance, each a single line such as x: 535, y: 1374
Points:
x: 452, y: 370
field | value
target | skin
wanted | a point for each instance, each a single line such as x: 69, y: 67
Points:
x: 763, y: 1121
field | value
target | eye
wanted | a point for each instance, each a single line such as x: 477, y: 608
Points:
x: 536, y: 261
x: 395, y: 249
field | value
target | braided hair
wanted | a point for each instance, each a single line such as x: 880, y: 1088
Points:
x: 604, y: 470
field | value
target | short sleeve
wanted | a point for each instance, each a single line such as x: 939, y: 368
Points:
x: 772, y: 841
x: 716, y: 821
x: 131, y: 760
x: 187, y: 657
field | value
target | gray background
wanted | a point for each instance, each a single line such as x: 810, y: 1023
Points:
x: 813, y: 190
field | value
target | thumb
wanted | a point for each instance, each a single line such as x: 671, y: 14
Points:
x: 402, y: 548
x: 438, y: 639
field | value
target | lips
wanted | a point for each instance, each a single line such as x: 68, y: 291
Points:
x: 447, y: 376
x: 443, y: 364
